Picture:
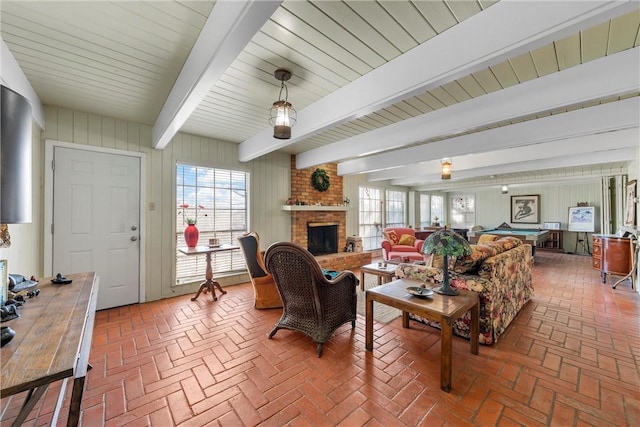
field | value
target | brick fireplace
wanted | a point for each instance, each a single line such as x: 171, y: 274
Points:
x: 302, y: 191
x: 331, y: 211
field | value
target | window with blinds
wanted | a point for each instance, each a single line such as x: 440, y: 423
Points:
x: 425, y: 210
x: 217, y: 200
x: 370, y: 207
x: 395, y: 202
x: 463, y: 211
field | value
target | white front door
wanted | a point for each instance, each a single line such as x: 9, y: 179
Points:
x: 96, y: 221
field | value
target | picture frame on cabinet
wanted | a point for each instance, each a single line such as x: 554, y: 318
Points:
x: 630, y: 204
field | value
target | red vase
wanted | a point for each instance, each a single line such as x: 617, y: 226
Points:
x: 191, y: 235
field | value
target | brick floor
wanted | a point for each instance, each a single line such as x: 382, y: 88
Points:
x: 569, y: 359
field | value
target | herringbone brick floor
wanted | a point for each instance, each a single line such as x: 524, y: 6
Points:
x: 571, y: 358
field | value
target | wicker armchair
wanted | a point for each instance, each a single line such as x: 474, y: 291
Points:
x: 312, y: 304
x: 264, y: 289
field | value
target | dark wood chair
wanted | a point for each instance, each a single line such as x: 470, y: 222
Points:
x: 312, y: 304
x: 264, y: 288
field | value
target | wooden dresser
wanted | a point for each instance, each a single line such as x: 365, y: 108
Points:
x: 611, y: 255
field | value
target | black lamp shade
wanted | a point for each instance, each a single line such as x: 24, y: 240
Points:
x: 15, y: 158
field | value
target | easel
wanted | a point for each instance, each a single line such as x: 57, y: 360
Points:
x: 581, y: 221
x: 584, y: 243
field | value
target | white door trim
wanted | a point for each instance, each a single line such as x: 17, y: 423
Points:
x: 50, y: 145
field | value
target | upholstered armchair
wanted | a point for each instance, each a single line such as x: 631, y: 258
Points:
x: 264, y: 288
x: 312, y: 304
x: 401, y: 242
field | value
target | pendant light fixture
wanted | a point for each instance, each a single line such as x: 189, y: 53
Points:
x: 446, y: 168
x: 283, y: 116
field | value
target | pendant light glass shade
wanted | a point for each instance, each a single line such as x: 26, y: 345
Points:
x: 446, y: 169
x: 283, y: 116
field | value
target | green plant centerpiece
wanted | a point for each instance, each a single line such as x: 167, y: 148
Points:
x: 447, y: 243
x: 320, y: 180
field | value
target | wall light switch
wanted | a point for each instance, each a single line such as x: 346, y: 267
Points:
x: 152, y: 206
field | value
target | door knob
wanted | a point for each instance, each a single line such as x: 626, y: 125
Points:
x: 134, y: 228
x: 134, y: 238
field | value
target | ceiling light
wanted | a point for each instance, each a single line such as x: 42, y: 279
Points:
x: 505, y: 189
x: 446, y: 168
x: 283, y: 116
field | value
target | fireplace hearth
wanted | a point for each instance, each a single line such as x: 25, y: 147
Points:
x: 322, y: 237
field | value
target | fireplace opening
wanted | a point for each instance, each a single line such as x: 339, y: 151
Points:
x: 322, y: 237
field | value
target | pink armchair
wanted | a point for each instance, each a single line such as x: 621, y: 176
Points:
x: 400, y: 242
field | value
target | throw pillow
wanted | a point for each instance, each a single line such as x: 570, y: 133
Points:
x: 391, y: 236
x: 407, y: 239
x: 484, y: 238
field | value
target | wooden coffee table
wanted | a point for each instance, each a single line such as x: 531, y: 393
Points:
x: 384, y: 273
x: 440, y: 308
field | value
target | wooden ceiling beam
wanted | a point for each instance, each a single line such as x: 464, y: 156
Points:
x: 507, y: 28
x: 608, y: 147
x: 230, y: 26
x: 566, y: 88
x: 434, y: 182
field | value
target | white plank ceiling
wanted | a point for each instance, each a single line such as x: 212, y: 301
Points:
x: 385, y: 88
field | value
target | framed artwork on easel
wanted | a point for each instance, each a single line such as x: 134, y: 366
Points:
x: 630, y: 204
x: 582, y: 219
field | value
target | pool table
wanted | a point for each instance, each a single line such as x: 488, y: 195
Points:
x: 530, y: 236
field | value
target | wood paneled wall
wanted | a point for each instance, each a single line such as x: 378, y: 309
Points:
x: 269, y: 185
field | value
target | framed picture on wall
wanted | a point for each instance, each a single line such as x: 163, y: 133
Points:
x: 582, y: 219
x: 525, y: 209
x: 630, y: 204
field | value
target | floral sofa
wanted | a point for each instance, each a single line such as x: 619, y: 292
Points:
x: 401, y: 242
x: 500, y: 271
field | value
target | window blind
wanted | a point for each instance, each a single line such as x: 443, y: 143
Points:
x: 217, y: 200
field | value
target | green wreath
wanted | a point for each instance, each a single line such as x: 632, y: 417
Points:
x: 320, y: 180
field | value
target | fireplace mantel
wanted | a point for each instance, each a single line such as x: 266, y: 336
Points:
x: 313, y: 208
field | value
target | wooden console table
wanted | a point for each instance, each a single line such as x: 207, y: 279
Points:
x: 52, y: 343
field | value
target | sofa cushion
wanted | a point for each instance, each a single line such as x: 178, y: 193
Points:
x: 391, y: 236
x: 484, y: 238
x: 407, y: 239
x: 510, y: 242
x: 471, y: 263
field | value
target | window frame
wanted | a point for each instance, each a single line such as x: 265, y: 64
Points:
x: 371, y: 232
x: 229, y: 182
x: 462, y: 205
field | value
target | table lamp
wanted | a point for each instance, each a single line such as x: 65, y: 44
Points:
x: 447, y: 243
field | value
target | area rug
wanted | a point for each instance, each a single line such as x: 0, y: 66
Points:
x: 381, y: 313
